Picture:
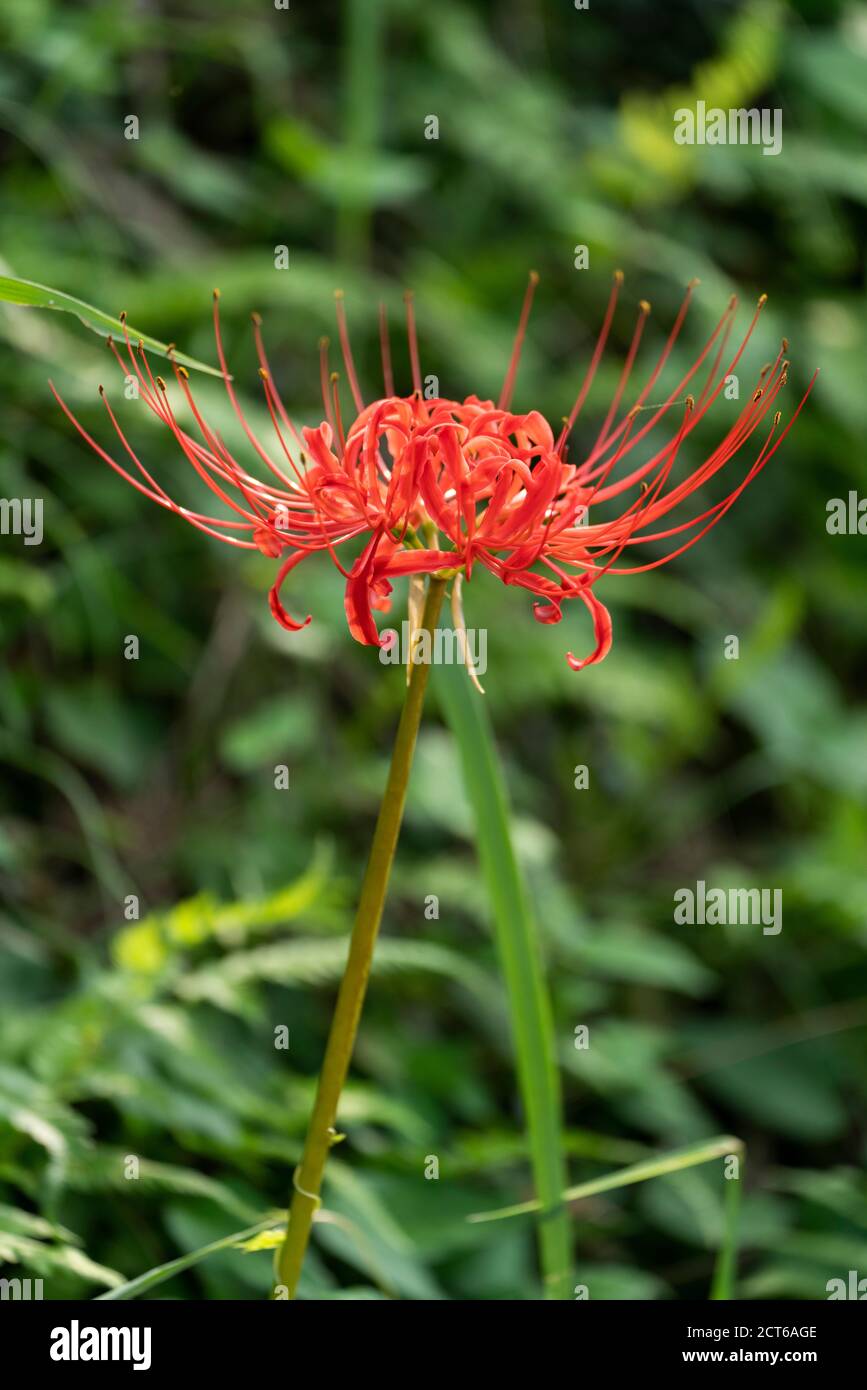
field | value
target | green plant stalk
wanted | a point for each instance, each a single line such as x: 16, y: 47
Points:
x: 350, y: 999
x: 518, y: 948
x: 722, y: 1287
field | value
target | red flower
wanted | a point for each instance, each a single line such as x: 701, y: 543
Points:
x: 435, y: 485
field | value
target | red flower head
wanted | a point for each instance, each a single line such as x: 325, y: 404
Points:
x: 435, y: 485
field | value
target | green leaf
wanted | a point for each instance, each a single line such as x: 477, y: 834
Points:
x: 624, y: 953
x: 518, y: 947
x: 315, y: 962
x: 47, y: 1260
x: 30, y: 295
x: 275, y: 729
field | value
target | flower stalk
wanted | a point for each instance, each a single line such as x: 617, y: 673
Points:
x: 350, y: 999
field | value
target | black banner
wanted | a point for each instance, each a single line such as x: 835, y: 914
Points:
x: 98, y: 1341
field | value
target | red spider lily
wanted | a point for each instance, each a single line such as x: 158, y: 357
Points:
x: 434, y: 485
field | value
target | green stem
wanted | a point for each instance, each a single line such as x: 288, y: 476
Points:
x: 350, y: 998
x: 725, y: 1271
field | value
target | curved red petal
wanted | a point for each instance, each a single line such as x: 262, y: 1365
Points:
x: 277, y: 609
x: 601, y: 626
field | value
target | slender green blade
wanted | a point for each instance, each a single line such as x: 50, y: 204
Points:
x: 160, y: 1273
x: 518, y: 947
x: 722, y: 1287
x: 725, y: 1271
x: 30, y: 295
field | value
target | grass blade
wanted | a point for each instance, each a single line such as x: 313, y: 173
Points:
x: 160, y: 1273
x: 517, y: 944
x: 722, y: 1286
x: 30, y: 295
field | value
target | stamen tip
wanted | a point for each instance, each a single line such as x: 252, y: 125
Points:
x: 763, y: 299
x: 256, y: 318
x: 618, y: 277
x: 534, y: 277
x: 264, y: 374
x: 644, y: 306
x: 122, y: 316
x: 694, y: 283
x: 216, y: 294
x: 324, y: 343
x: 161, y: 384
x: 101, y: 389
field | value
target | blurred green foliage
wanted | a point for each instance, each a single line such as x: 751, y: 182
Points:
x: 261, y: 127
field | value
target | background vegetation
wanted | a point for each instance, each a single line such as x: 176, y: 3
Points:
x: 261, y: 127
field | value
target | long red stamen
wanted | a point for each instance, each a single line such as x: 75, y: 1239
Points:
x: 347, y: 350
x: 324, y: 379
x: 594, y: 361
x: 643, y: 314
x: 508, y: 385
